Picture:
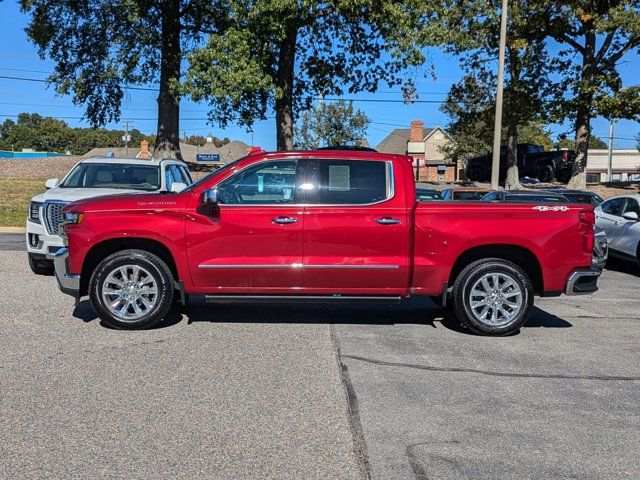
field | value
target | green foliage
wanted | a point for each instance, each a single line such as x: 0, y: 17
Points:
x: 335, y: 123
x: 471, y: 102
x: 594, y: 143
x: 327, y: 48
x: 49, y: 134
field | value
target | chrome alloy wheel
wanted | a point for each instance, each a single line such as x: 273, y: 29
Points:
x: 129, y: 292
x: 495, y: 299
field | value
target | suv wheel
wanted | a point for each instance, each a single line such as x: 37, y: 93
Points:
x: 492, y: 297
x: 131, y: 289
x: 545, y: 173
x: 40, y: 266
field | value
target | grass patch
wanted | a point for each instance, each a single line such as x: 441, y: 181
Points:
x: 15, y: 194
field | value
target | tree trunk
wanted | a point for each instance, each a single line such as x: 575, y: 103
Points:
x: 284, y: 82
x: 168, y: 133
x: 583, y: 132
x: 512, y: 181
x: 583, y: 115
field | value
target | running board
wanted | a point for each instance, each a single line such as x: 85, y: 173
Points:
x: 299, y: 299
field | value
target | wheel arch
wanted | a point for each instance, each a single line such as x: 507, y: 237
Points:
x: 103, y: 249
x: 521, y: 256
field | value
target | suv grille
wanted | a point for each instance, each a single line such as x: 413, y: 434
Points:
x: 52, y: 214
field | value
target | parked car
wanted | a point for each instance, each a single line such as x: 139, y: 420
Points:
x: 524, y: 196
x: 91, y: 178
x: 619, y: 218
x: 464, y: 193
x: 427, y: 194
x: 579, y: 196
x: 533, y: 161
x: 364, y: 238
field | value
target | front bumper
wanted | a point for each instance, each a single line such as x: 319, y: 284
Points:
x: 68, y: 283
x: 600, y: 250
x: 583, y: 281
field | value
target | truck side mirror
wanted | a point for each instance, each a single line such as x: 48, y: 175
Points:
x: 51, y: 183
x: 210, y: 197
x: 631, y: 216
x: 177, y: 187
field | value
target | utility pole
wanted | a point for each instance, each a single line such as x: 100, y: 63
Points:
x: 610, y: 157
x: 126, y: 138
x: 497, y: 128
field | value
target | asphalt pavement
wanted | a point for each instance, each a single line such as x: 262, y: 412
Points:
x: 327, y: 392
x: 559, y: 400
x: 218, y: 392
x: 12, y: 241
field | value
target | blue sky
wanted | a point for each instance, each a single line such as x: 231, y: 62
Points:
x: 18, y: 58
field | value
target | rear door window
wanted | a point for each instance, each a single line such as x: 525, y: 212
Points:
x: 352, y: 182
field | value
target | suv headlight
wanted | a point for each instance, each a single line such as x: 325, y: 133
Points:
x: 34, y: 212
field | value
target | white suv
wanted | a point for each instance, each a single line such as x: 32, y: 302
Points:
x: 91, y: 178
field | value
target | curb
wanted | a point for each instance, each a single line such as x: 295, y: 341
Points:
x: 13, y: 229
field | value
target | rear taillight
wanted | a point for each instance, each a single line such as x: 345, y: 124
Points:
x: 587, y: 221
x: 566, y: 155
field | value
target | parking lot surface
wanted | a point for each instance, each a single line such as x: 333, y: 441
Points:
x: 559, y: 400
x: 219, y: 392
x: 328, y: 392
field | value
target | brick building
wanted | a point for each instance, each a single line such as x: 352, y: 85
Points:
x: 424, y: 146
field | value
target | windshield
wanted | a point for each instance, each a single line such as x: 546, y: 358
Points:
x: 215, y: 172
x: 113, y: 175
x: 591, y: 199
x: 535, y: 199
x: 467, y: 195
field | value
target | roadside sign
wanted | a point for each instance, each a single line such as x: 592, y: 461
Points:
x: 208, y: 157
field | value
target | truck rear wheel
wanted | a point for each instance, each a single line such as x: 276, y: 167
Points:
x: 492, y: 296
x: 545, y: 173
x: 131, y: 289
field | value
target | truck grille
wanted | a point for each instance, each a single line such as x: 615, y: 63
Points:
x: 52, y: 214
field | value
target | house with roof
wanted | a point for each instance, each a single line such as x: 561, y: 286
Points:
x: 423, y: 144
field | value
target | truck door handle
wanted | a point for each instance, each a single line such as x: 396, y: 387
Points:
x: 284, y: 220
x: 388, y: 221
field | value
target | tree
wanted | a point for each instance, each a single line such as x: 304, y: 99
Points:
x: 333, y: 123
x: 594, y: 143
x: 596, y: 35
x: 280, y: 54
x: 471, y: 102
x: 49, y: 134
x: 99, y: 47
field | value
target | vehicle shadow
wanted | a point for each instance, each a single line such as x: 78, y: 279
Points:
x: 417, y: 311
x: 623, y: 266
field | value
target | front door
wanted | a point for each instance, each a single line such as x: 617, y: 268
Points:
x: 356, y: 229
x: 629, y: 232
x: 609, y: 219
x: 252, y: 241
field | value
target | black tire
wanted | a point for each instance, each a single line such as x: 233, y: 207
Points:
x: 545, y: 173
x: 564, y: 176
x: 160, y: 274
x: 473, y: 273
x: 40, y: 266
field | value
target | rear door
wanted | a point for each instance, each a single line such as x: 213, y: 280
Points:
x: 356, y: 233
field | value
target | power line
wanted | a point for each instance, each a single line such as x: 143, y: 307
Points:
x: 40, y: 80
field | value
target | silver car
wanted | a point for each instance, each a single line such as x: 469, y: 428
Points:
x: 619, y: 218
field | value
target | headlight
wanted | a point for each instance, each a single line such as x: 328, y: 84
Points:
x: 34, y: 212
x: 73, y: 217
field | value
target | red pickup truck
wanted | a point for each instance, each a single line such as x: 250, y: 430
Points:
x: 321, y: 226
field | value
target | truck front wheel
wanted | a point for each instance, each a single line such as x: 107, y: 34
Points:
x: 492, y: 296
x: 131, y: 289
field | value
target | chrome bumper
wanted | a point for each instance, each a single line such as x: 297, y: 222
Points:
x: 67, y: 282
x: 583, y: 281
